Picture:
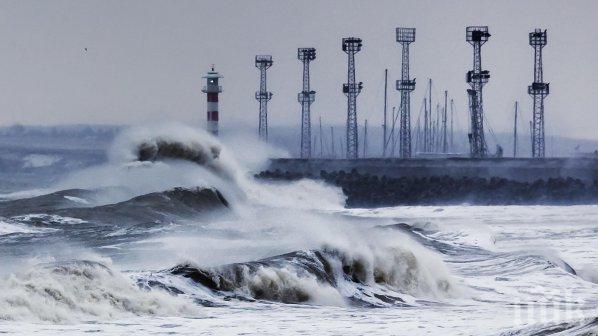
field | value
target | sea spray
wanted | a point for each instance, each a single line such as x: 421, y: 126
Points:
x: 70, y: 291
x: 146, y: 159
x: 284, y: 242
x: 172, y: 142
x: 379, y: 269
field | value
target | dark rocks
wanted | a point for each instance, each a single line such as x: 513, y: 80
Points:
x: 366, y: 190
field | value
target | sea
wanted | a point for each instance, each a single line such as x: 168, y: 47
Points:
x: 166, y: 231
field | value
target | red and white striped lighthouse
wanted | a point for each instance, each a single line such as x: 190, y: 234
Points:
x: 212, y: 89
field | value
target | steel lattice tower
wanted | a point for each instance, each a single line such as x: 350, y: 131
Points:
x: 305, y: 98
x: 473, y: 106
x: 405, y: 36
x: 538, y: 90
x: 263, y: 62
x: 352, y: 45
x: 477, y: 36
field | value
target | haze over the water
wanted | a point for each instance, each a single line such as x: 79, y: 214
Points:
x: 144, y: 59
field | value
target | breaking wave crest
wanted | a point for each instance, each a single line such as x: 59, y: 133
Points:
x: 378, y: 277
x: 158, y: 149
x: 71, y: 291
x: 150, y: 159
x: 173, y: 142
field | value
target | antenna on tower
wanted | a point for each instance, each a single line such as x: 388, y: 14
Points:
x: 305, y: 98
x: 405, y: 36
x: 477, y: 36
x: 538, y: 90
x: 263, y: 62
x: 351, y: 46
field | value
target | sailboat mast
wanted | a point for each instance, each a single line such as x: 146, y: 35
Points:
x: 321, y: 140
x: 515, y: 131
x: 332, y: 152
x: 444, y: 115
x: 452, y: 134
x: 384, y: 126
x: 429, y: 139
x: 365, y: 138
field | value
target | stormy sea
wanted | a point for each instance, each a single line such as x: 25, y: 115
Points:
x: 165, y: 230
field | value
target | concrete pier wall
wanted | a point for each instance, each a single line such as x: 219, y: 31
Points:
x: 523, y: 169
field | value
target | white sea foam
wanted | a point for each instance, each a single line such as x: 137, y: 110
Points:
x: 529, y: 296
x: 77, y: 200
x: 39, y: 160
x: 72, y: 291
x: 7, y: 228
x: 48, y: 219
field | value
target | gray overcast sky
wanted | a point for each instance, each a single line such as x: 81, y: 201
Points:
x: 145, y: 58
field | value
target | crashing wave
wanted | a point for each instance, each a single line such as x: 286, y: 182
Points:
x: 160, y: 149
x: 388, y: 276
x: 173, y: 142
x: 71, y: 291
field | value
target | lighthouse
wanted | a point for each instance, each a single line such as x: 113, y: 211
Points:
x: 212, y: 89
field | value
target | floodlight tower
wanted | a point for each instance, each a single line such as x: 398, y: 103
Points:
x: 351, y: 45
x: 405, y: 36
x: 538, y: 90
x: 473, y: 108
x: 305, y: 98
x: 212, y: 89
x: 477, y: 36
x: 263, y: 62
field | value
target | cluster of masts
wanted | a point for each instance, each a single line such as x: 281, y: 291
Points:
x: 431, y: 134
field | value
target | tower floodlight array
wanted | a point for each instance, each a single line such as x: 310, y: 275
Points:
x: 538, y: 90
x: 263, y: 62
x: 405, y: 36
x: 351, y: 45
x: 477, y: 36
x: 305, y: 98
